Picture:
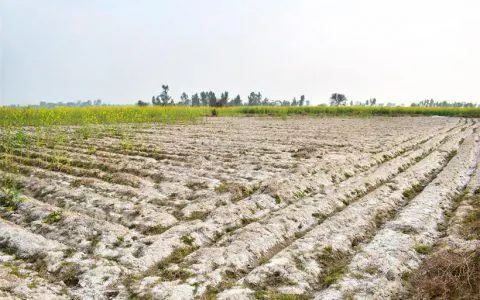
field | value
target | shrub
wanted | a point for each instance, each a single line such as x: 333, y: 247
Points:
x: 448, y: 275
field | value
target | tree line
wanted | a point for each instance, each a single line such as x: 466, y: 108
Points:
x: 433, y: 103
x: 209, y: 98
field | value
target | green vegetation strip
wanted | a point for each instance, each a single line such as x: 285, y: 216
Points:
x: 30, y: 116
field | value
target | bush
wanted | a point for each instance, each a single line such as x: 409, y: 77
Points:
x: 448, y: 275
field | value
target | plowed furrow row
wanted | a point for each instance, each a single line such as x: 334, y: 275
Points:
x: 131, y: 214
x: 117, y: 178
x: 56, y: 263
x: 92, y: 236
x: 398, y: 247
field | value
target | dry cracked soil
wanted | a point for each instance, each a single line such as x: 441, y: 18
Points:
x: 232, y: 208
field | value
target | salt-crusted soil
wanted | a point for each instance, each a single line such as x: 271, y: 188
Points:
x: 236, y: 208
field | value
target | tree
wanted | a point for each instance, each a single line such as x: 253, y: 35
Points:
x: 154, y: 100
x: 302, y: 100
x: 195, y: 100
x: 223, y: 99
x: 236, y: 101
x: 204, y: 98
x: 254, y: 98
x: 338, y: 99
x: 164, y: 95
x: 294, y: 102
x: 212, y: 99
x: 184, y: 99
x: 142, y: 103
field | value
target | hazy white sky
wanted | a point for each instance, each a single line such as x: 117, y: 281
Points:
x: 123, y: 51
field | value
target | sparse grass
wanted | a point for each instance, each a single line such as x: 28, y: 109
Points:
x: 471, y: 223
x: 91, y: 150
x: 319, y: 216
x: 14, y: 270
x: 274, y: 295
x: 451, y: 155
x: 239, y: 192
x: 119, y: 241
x: 222, y: 188
x: 422, y: 249
x: 166, y: 269
x: 334, y: 264
x: 69, y: 273
x: 94, y: 240
x: 413, y: 191
x: 196, y: 185
x: 175, y: 274
x: 197, y: 215
x: 157, y: 229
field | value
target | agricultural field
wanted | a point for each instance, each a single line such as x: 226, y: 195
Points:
x: 297, y: 207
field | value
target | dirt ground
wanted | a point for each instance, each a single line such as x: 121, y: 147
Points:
x: 234, y: 208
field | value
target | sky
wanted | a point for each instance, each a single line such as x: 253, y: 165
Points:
x: 123, y: 51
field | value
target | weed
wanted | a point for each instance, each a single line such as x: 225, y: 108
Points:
x: 222, y: 188
x: 157, y: 229
x: 10, y: 193
x: 197, y: 215
x: 277, y: 199
x: 53, y: 217
x: 451, y: 154
x: 334, y: 264
x: 69, y: 273
x: 187, y: 239
x: 119, y: 241
x: 91, y: 150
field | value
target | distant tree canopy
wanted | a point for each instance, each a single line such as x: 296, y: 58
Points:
x: 78, y: 103
x: 338, y: 99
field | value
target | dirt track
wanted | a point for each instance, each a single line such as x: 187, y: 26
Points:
x: 234, y: 207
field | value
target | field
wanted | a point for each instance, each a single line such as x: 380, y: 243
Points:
x: 32, y: 116
x: 192, y: 206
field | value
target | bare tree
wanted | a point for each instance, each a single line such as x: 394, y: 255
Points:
x: 338, y: 99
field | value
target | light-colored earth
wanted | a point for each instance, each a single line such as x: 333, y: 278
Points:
x: 233, y: 208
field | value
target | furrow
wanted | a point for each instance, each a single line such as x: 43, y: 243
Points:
x: 400, y: 246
